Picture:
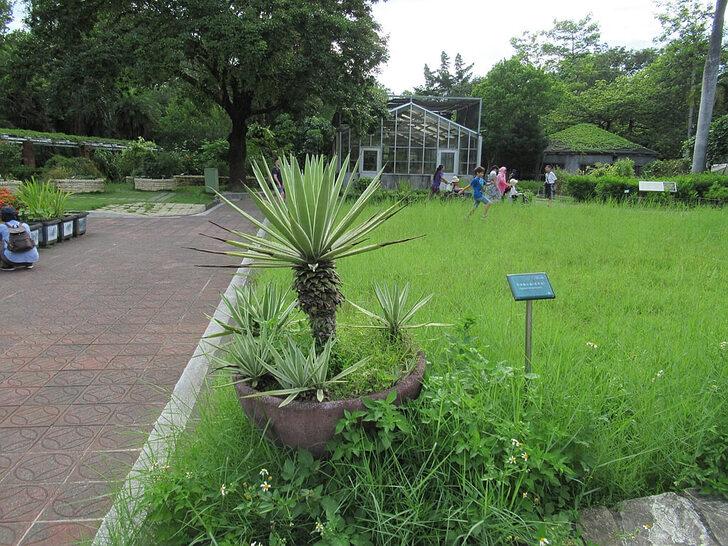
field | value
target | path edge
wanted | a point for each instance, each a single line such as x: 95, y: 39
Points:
x: 174, y: 416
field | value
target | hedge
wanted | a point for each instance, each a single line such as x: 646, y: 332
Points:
x: 709, y: 186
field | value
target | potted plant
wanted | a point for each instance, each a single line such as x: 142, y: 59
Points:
x: 44, y: 204
x: 308, y: 231
x: 79, y: 223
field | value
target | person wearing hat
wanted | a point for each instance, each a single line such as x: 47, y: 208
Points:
x: 21, y: 251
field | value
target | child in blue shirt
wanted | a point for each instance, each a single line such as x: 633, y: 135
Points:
x: 477, y: 184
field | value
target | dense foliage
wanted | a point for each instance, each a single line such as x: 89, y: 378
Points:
x: 586, y: 137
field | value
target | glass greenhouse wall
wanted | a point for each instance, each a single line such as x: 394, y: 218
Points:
x: 413, y: 140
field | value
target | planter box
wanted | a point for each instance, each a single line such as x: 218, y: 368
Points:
x: 79, y: 185
x: 310, y: 425
x: 155, y: 184
x: 11, y: 185
x: 79, y: 224
x: 65, y: 228
x: 35, y: 231
x: 49, y: 232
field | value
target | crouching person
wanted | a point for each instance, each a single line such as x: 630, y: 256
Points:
x: 18, y: 248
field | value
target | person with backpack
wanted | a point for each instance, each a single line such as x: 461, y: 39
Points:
x: 18, y: 248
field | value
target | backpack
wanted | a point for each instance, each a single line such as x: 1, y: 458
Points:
x: 19, y: 240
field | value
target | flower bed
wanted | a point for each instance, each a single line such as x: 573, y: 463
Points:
x: 12, y: 185
x: 155, y: 184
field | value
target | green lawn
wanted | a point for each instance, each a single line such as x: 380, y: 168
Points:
x: 120, y: 193
x: 629, y: 399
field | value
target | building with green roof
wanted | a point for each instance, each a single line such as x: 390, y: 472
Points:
x: 584, y: 145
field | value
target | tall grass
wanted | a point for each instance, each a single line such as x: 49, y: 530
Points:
x: 630, y: 397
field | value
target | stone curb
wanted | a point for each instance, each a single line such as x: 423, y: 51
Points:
x: 174, y: 417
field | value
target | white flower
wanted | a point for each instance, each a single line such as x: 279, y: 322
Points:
x: 223, y: 490
x: 591, y: 345
x: 265, y: 486
x: 724, y: 345
x: 515, y: 442
x: 263, y: 472
x: 188, y: 475
x: 512, y: 459
x: 543, y: 541
x: 658, y: 375
x: 524, y: 456
x: 319, y: 527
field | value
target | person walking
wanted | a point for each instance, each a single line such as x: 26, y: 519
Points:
x: 278, y: 179
x: 502, y: 181
x: 550, y: 183
x: 436, y: 180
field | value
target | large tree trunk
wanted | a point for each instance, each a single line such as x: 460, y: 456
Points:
x: 707, y: 96
x: 238, y: 153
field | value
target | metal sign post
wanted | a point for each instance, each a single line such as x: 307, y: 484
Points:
x: 528, y: 287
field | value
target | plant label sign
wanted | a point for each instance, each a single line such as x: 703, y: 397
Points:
x: 649, y: 185
x: 531, y: 286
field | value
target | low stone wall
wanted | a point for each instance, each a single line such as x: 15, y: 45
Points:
x: 189, y: 179
x: 79, y: 185
x: 155, y: 184
x: 11, y: 185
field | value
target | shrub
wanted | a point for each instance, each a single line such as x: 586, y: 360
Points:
x: 358, y: 185
x: 60, y: 166
x: 611, y: 187
x: 161, y: 165
x: 108, y: 163
x: 7, y: 199
x: 667, y: 167
x: 580, y: 187
x: 132, y: 159
x: 718, y: 193
x: 9, y: 158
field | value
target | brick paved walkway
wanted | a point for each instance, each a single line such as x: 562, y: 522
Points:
x: 91, y: 344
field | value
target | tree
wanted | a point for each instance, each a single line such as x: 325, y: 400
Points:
x: 710, y: 81
x: 565, y: 41
x: 257, y: 58
x: 6, y: 15
x: 445, y: 82
x: 516, y: 96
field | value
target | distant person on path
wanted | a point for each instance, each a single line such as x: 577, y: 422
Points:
x: 18, y: 248
x: 479, y: 197
x: 550, y: 183
x: 277, y: 178
x: 436, y: 180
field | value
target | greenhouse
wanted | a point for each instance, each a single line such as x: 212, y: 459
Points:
x: 417, y: 135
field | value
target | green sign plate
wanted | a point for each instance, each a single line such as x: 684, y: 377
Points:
x: 531, y: 286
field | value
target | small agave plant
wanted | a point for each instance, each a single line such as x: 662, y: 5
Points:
x: 308, y: 231
x: 396, y: 310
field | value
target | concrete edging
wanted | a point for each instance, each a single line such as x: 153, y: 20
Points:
x: 174, y: 416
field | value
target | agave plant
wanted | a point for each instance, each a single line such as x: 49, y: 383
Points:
x: 397, y: 312
x: 298, y: 372
x: 308, y: 231
x: 249, y: 311
x: 247, y: 354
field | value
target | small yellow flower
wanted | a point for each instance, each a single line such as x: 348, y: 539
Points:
x: 524, y: 456
x: 223, y: 490
x: 319, y: 528
x: 512, y: 459
x: 263, y: 473
x: 265, y: 486
x: 543, y: 541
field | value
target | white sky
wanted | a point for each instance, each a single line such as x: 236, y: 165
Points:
x: 481, y: 30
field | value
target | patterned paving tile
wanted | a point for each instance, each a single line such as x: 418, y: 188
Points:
x: 47, y: 533
x: 19, y: 439
x: 40, y: 468
x: 79, y: 501
x: 67, y: 438
x: 20, y: 503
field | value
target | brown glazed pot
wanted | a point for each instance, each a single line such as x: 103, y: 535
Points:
x: 310, y: 425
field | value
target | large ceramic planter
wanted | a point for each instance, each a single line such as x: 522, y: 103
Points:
x: 65, y: 228
x: 49, y: 232
x: 310, y: 425
x: 79, y: 224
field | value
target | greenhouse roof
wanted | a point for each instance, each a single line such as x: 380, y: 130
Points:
x: 463, y: 110
x: 586, y: 138
x: 61, y: 140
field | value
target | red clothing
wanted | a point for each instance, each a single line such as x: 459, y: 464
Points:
x: 501, y: 181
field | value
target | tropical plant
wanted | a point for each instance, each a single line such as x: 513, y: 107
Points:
x: 397, y: 312
x: 249, y: 311
x: 308, y: 230
x: 298, y: 372
x: 247, y: 355
x: 41, y: 200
